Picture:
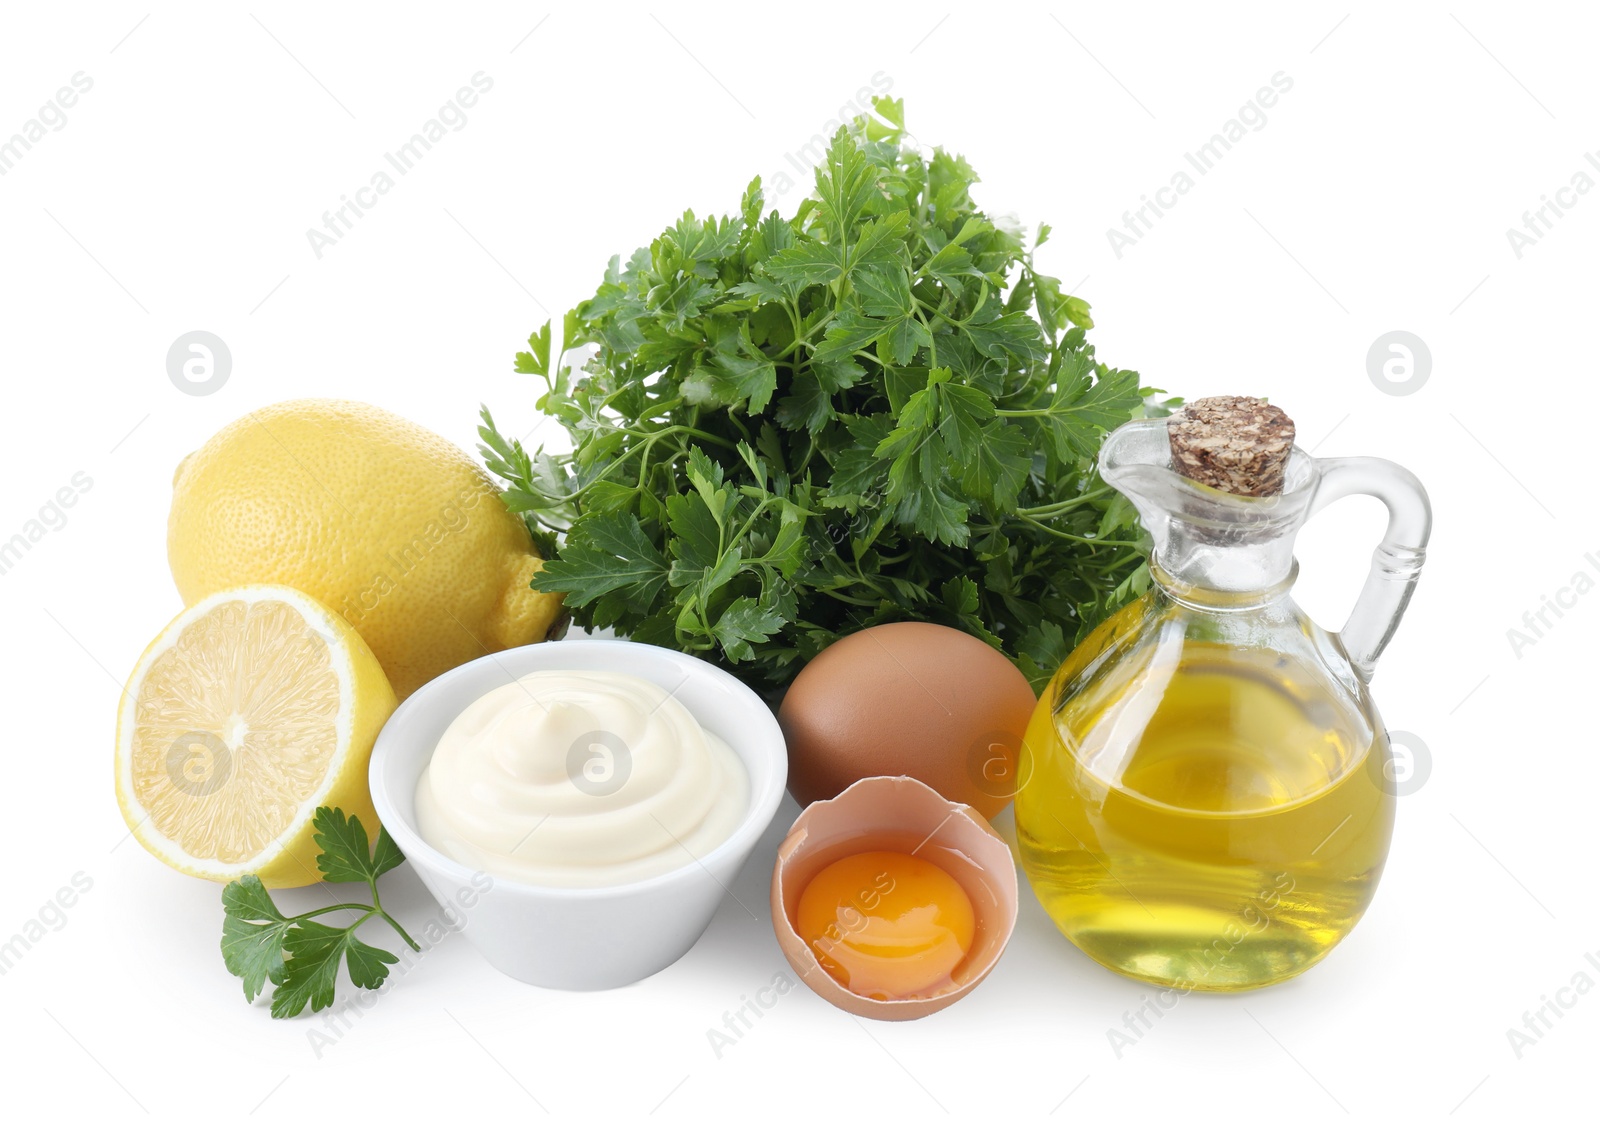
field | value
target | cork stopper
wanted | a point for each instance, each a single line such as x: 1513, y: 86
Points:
x: 1237, y: 444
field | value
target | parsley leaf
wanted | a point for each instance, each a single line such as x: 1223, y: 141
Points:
x: 609, y: 553
x: 253, y: 933
x: 312, y: 967
x: 345, y: 857
x: 743, y: 622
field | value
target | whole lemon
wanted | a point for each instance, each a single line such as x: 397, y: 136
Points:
x: 388, y: 524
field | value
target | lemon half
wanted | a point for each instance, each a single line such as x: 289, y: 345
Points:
x: 253, y: 708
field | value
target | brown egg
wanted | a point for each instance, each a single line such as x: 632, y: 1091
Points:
x: 903, y: 815
x: 914, y: 699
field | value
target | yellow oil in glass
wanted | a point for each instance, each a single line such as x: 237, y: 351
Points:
x: 1201, y: 814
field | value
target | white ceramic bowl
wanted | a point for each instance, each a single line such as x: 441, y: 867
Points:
x: 581, y: 939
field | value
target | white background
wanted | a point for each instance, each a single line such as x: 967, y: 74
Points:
x: 1377, y: 197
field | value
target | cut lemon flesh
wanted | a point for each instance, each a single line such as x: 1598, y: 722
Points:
x: 253, y: 708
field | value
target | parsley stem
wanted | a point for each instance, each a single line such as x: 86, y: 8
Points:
x: 733, y: 417
x: 1060, y: 507
x: 799, y: 337
x: 953, y: 322
x: 832, y: 593
x: 377, y: 909
x: 415, y: 947
x: 811, y: 448
x: 738, y: 537
x: 933, y: 347
x: 704, y: 436
x: 1031, y: 412
x: 333, y: 909
x: 1074, y: 537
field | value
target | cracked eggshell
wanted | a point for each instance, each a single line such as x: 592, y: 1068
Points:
x: 897, y: 813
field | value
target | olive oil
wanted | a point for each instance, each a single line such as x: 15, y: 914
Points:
x: 1204, y: 792
x: 1198, y: 811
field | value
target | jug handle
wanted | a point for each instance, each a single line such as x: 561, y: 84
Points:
x: 1396, y: 562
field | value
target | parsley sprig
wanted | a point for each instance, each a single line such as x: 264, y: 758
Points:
x: 300, y: 955
x: 790, y: 429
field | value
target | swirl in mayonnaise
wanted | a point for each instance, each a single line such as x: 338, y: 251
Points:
x: 579, y: 778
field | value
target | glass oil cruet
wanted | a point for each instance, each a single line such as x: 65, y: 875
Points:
x: 1205, y: 796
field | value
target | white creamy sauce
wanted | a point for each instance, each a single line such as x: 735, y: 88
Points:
x: 580, y: 779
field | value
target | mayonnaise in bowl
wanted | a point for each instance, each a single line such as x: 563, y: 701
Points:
x: 579, y: 779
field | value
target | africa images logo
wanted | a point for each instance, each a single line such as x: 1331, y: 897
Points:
x: 1250, y: 118
x: 52, y: 116
x: 450, y: 118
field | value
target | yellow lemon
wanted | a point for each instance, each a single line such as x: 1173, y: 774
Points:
x: 252, y: 709
x: 391, y: 526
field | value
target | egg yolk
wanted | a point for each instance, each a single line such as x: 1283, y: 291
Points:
x: 887, y: 925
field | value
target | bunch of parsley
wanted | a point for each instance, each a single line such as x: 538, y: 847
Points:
x: 790, y: 429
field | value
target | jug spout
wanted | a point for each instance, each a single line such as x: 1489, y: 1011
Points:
x: 1205, y: 539
x: 1212, y: 546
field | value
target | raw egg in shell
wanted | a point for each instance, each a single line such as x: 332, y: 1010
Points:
x: 890, y: 901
